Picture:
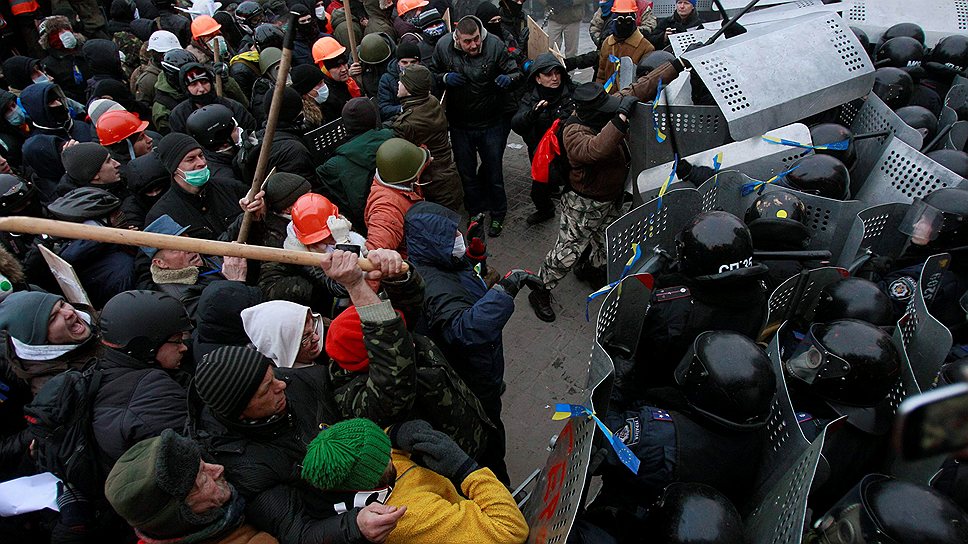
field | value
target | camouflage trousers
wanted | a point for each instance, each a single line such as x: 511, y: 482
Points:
x: 583, y: 222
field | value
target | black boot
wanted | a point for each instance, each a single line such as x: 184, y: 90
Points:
x: 540, y: 216
x: 540, y: 300
x: 596, y: 277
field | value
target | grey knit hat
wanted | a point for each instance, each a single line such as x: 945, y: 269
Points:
x: 229, y: 377
x: 283, y: 189
x: 173, y: 149
x: 83, y: 161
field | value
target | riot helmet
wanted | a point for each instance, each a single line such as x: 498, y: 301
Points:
x: 249, y: 15
x: 652, y: 61
x: 777, y: 217
x: 211, y: 126
x: 950, y: 55
x: 854, y: 298
x: 716, y: 245
x: 728, y: 379
x: 900, y: 52
x: 952, y: 159
x: 920, y: 119
x: 863, y: 38
x: 894, y: 86
x: 172, y: 63
x: 16, y: 194
x: 693, y: 513
x: 828, y: 133
x: 954, y: 372
x: 901, y: 30
x: 881, y: 509
x: 821, y: 175
x: 266, y: 36
x: 399, y: 164
x: 938, y: 220
x: 140, y: 322
x: 84, y: 203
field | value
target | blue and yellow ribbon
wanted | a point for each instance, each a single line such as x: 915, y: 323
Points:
x: 567, y: 411
x: 668, y: 181
x: 636, y: 256
x: 758, y: 186
x: 842, y: 145
x: 659, y: 135
x: 610, y: 82
x: 717, y: 165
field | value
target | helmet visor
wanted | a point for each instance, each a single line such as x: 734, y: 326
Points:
x: 812, y: 362
x: 924, y: 223
x: 849, y: 521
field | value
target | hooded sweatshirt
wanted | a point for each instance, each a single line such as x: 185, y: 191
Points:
x: 35, y: 99
x: 218, y: 319
x: 276, y: 329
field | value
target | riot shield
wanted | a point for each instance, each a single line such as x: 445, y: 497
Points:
x: 665, y: 8
x: 795, y: 300
x: 902, y: 173
x: 873, y: 115
x: 650, y: 226
x: 823, y: 67
x: 783, y: 12
x: 925, y: 340
x: 753, y: 157
x: 938, y: 18
x: 681, y: 41
x: 324, y: 140
x: 957, y: 137
x: 874, y: 232
x: 698, y: 128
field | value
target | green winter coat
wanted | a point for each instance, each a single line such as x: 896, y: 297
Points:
x: 346, y: 177
x: 166, y: 98
x: 423, y: 122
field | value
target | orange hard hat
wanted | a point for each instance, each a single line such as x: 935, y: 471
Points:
x: 624, y: 6
x: 114, y: 126
x: 404, y: 6
x: 309, y: 215
x: 203, y: 25
x: 326, y: 48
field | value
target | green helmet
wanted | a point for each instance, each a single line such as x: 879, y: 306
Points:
x: 269, y: 57
x: 375, y: 48
x: 399, y: 162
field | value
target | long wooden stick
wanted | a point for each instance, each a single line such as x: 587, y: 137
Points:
x: 217, y: 58
x: 77, y: 231
x: 271, y: 122
x: 351, y: 34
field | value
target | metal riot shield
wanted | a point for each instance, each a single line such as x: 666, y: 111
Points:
x: 698, y: 128
x: 795, y: 300
x: 682, y: 40
x: 902, y: 173
x: 666, y: 8
x: 874, y: 232
x: 957, y: 137
x: 753, y: 157
x: 925, y: 340
x: 652, y: 227
x: 618, y: 328
x: 938, y: 18
x: 325, y: 139
x: 823, y: 67
x: 782, y: 12
x: 873, y: 115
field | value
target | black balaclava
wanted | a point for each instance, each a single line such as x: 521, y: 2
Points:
x: 624, y: 25
x: 487, y: 11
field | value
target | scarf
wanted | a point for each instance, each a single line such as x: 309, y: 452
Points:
x: 183, y: 276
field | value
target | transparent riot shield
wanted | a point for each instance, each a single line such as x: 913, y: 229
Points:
x: 902, y: 173
x: 925, y: 340
x: 823, y: 66
x: 651, y: 226
x: 325, y: 139
x: 795, y: 300
x: 874, y: 232
x: 938, y: 18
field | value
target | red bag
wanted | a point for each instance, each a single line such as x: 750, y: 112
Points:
x: 548, y: 149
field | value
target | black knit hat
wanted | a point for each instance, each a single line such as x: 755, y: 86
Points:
x: 18, y: 70
x: 283, y: 189
x: 289, y: 107
x: 360, y: 115
x: 305, y: 77
x: 229, y: 377
x: 408, y: 50
x: 84, y: 160
x: 173, y: 149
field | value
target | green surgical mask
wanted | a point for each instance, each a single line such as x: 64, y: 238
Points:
x: 197, y: 178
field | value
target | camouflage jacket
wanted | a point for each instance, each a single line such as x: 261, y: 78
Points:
x: 408, y: 378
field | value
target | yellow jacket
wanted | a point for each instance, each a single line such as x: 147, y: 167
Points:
x: 438, y: 514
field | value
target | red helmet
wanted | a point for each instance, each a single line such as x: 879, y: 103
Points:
x: 309, y: 215
x: 115, y: 126
x: 326, y: 48
x: 203, y: 25
x: 404, y: 6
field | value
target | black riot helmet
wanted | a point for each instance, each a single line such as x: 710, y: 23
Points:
x: 691, y: 513
x: 653, y: 60
x: 954, y: 372
x: 828, y: 133
x: 777, y: 217
x: 211, y: 126
x: 950, y: 55
x: 883, y: 510
x: 848, y: 363
x: 727, y: 378
x: 894, y: 86
x: 820, y: 175
x: 854, y: 298
x: 172, y: 63
x: 267, y: 35
x: 939, y: 220
x: 15, y: 194
x: 84, y: 203
x: 716, y: 245
x: 900, y: 52
x: 952, y: 159
x: 920, y: 119
x: 863, y: 38
x: 902, y: 30
x: 249, y: 15
x: 140, y: 322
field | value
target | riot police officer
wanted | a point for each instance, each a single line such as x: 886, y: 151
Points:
x: 854, y: 298
x: 777, y: 223
x: 691, y: 513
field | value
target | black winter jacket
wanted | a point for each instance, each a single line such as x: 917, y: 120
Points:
x: 209, y: 213
x: 178, y: 118
x: 532, y: 124
x: 289, y: 154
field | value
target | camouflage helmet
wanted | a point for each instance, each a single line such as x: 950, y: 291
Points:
x: 399, y: 163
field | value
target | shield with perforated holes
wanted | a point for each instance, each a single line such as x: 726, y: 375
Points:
x: 325, y: 139
x: 938, y: 18
x: 902, y: 174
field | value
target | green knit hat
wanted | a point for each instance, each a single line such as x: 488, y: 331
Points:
x: 351, y: 455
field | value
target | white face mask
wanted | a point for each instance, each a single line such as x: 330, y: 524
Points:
x: 68, y: 39
x: 459, y: 247
x: 322, y: 94
x: 321, y: 13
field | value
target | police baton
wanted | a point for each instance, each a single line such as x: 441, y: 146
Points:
x: 726, y: 25
x: 807, y: 255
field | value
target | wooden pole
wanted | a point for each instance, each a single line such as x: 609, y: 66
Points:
x: 349, y: 30
x: 127, y: 237
x: 217, y: 56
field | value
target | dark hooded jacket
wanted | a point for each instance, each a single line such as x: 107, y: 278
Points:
x: 387, y: 93
x: 17, y: 71
x: 346, y: 177
x: 69, y: 70
x: 35, y: 98
x: 461, y: 314
x: 12, y: 137
x: 178, y: 118
x: 103, y: 63
x: 42, y: 164
x: 209, y: 213
x: 15, y: 437
x: 141, y: 174
x: 289, y: 152
x: 532, y: 124
x: 474, y: 104
x: 217, y: 318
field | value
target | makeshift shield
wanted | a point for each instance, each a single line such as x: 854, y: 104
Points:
x: 325, y: 139
x: 823, y: 67
x: 938, y: 18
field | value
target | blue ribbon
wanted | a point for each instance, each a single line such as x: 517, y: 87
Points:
x: 625, y: 455
x: 758, y: 186
x: 842, y: 145
x: 717, y: 164
x: 659, y: 135
x: 636, y: 256
x: 665, y: 186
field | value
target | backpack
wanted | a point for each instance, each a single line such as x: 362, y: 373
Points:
x: 60, y: 418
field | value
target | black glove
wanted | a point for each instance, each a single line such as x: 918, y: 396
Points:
x: 517, y: 278
x: 627, y: 105
x: 683, y: 169
x: 402, y: 436
x: 438, y: 452
x: 221, y: 69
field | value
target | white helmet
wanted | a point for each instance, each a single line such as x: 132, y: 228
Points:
x: 162, y: 41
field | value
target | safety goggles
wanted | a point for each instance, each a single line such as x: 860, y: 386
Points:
x: 812, y: 362
x: 336, y: 62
